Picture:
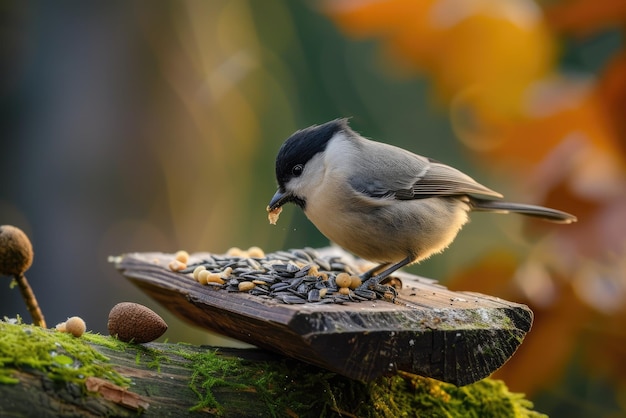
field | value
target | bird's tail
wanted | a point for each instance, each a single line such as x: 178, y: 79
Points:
x: 548, y: 214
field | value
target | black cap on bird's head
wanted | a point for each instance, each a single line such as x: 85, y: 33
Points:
x: 296, y: 151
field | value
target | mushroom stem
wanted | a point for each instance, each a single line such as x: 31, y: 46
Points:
x: 31, y: 300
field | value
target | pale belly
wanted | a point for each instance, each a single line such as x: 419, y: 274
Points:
x: 391, y: 232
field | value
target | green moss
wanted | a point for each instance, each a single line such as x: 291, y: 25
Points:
x: 410, y: 395
x: 281, y: 387
x: 288, y: 387
x: 152, y: 358
x: 58, y: 355
x: 209, y: 371
x: 6, y: 379
x: 111, y: 343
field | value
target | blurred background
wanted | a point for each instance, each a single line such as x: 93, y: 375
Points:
x: 153, y: 126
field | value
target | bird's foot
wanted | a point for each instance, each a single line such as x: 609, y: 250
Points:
x: 385, y: 292
x: 381, y: 283
x: 382, y: 291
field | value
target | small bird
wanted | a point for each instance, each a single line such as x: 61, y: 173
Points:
x: 380, y: 202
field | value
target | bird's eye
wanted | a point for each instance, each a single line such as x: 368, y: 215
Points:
x: 297, y: 170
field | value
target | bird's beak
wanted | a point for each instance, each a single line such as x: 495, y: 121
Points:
x: 279, y: 199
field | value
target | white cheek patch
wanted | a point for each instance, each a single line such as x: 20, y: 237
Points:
x: 311, y: 179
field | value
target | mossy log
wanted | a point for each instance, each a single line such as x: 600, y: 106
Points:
x: 45, y: 373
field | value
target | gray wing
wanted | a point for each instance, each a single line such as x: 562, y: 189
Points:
x: 394, y: 172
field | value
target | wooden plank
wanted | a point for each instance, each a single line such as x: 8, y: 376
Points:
x: 456, y: 337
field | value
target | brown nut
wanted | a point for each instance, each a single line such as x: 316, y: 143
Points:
x: 214, y: 278
x: 182, y: 256
x: 235, y: 252
x: 273, y: 214
x: 313, y: 271
x: 196, y: 272
x: 176, y: 265
x: 245, y: 286
x: 203, y: 275
x: 130, y: 321
x: 256, y: 252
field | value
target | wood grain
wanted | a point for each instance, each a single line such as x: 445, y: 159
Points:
x: 456, y: 337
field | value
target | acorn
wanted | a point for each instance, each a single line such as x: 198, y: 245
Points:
x: 132, y: 322
x: 16, y: 256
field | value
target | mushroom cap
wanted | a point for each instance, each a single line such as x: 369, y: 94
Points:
x: 16, y: 251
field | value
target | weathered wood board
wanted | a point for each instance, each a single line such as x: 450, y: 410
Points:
x: 456, y: 337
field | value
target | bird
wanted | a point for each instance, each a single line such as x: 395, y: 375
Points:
x: 380, y: 202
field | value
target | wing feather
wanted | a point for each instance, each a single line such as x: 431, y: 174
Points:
x: 415, y: 177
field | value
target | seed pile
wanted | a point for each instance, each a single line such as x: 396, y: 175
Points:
x: 296, y: 276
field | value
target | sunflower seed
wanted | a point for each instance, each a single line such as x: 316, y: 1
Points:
x: 294, y: 276
x: 301, y: 254
x: 290, y: 299
x: 365, y: 293
x: 314, y: 295
x: 324, y: 265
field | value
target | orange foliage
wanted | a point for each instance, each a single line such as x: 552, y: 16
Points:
x: 497, y: 46
x: 582, y: 17
x: 556, y: 326
x: 612, y: 93
x: 561, y: 139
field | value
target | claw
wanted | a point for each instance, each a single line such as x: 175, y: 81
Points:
x: 374, y: 283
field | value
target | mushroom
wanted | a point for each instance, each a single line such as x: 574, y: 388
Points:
x: 16, y: 256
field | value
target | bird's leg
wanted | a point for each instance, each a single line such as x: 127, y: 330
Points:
x: 374, y: 282
x: 369, y: 273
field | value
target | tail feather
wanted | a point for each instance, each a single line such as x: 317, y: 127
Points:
x: 548, y: 214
